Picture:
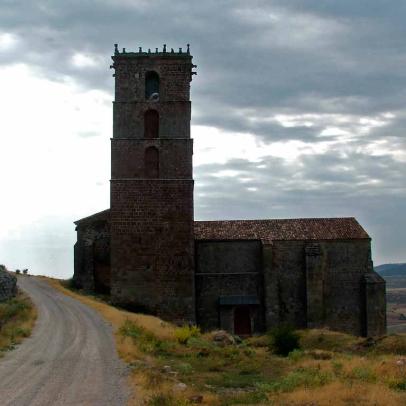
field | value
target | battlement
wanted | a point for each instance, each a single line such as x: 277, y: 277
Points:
x: 149, y: 53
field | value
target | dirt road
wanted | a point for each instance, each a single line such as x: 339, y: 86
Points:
x: 70, y: 359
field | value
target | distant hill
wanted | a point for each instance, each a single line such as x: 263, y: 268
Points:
x: 391, y: 270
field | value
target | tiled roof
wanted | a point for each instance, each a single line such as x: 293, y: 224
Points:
x: 344, y: 228
x: 284, y: 229
x: 100, y: 216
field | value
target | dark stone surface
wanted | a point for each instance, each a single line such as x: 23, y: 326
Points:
x: 152, y: 244
x: 224, y: 269
x: 8, y: 285
x: 92, y: 253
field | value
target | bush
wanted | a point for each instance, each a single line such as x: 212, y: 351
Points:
x: 283, y: 339
x: 183, y: 334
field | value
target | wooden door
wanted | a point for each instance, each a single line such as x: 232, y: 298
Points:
x: 242, y: 321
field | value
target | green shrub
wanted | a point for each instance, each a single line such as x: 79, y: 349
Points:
x: 183, y: 334
x: 283, y: 339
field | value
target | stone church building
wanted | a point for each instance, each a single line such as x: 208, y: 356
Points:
x: 245, y: 276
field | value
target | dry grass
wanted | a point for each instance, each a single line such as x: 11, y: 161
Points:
x: 341, y: 394
x: 330, y: 369
x: 17, y: 317
x: 161, y: 329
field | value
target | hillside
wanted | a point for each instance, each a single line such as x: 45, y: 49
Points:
x: 180, y: 366
x: 385, y: 270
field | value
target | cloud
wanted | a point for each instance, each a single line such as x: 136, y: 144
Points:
x: 298, y: 107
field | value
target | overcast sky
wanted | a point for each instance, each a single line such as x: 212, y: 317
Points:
x: 299, y: 110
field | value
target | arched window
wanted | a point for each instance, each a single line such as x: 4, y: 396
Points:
x: 151, y: 161
x: 151, y: 124
x: 151, y: 85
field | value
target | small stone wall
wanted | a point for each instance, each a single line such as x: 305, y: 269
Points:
x: 8, y: 286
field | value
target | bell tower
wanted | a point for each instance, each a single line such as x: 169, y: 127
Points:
x: 151, y: 190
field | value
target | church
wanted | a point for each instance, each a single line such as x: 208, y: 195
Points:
x: 244, y: 276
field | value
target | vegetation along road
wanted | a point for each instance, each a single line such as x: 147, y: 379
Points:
x: 70, y: 359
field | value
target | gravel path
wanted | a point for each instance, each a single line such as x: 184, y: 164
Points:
x: 70, y: 359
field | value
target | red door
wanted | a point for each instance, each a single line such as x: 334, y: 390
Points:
x: 242, y: 321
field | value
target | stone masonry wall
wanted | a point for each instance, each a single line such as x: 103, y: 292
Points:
x: 92, y: 256
x: 227, y: 268
x: 319, y: 289
x: 152, y: 246
x: 152, y: 240
x: 129, y: 118
x: 375, y: 304
x: 175, y: 158
x: 174, y: 72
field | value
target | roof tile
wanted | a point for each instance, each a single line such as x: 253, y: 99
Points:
x: 283, y: 229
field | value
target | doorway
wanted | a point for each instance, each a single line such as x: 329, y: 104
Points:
x: 242, y: 321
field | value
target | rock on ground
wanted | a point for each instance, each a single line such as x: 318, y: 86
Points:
x: 8, y: 285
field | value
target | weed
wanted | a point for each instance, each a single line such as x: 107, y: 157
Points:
x: 166, y: 400
x: 337, y: 367
x: 183, y: 334
x: 248, y: 398
x: 130, y: 329
x: 184, y: 368
x: 309, y: 378
x: 363, y: 374
x: 17, y: 315
x: 398, y: 385
x: 296, y: 355
x: 145, y: 341
x: 236, y: 379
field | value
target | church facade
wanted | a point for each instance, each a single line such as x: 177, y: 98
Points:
x: 244, y: 276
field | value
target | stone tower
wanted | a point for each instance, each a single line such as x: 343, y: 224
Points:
x: 151, y: 191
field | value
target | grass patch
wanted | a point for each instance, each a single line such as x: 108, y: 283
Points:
x: 17, y: 318
x: 303, y: 377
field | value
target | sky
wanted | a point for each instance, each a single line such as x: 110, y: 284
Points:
x: 298, y: 110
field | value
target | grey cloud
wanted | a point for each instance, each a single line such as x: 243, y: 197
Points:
x: 351, y: 64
